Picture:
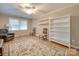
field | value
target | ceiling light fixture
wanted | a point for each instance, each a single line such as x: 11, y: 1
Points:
x: 28, y: 8
x: 29, y: 11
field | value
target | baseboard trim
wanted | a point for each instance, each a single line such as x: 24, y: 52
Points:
x: 21, y: 36
x: 73, y: 46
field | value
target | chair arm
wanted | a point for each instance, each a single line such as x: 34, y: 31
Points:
x: 10, y: 33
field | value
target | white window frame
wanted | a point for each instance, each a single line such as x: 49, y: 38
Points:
x: 18, y: 24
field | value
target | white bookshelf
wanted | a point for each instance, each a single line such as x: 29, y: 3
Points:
x: 59, y: 30
x: 43, y: 22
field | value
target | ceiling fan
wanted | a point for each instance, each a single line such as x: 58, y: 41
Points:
x: 28, y: 8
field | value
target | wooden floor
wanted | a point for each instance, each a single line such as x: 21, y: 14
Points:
x: 69, y: 51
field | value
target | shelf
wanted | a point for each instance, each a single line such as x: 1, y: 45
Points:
x: 43, y: 20
x: 59, y: 28
x: 56, y: 37
x: 58, y: 31
x: 43, y: 24
x: 58, y: 21
x: 60, y: 42
x: 61, y: 23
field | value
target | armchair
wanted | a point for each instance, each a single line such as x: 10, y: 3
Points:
x: 4, y: 34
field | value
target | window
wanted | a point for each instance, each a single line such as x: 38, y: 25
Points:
x: 23, y: 25
x: 15, y: 24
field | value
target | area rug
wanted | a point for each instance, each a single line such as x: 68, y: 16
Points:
x: 31, y: 46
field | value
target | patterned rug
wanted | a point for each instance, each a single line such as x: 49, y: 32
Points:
x: 31, y: 46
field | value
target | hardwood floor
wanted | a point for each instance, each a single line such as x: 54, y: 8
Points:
x: 68, y: 52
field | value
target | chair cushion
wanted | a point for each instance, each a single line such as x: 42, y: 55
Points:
x: 3, y: 31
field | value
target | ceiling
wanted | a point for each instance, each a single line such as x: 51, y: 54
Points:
x: 42, y: 9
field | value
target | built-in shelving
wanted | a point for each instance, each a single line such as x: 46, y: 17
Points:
x: 59, y: 29
x: 43, y: 22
